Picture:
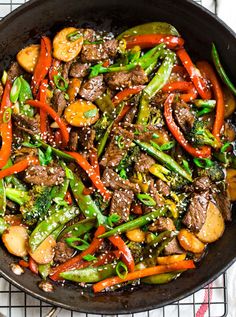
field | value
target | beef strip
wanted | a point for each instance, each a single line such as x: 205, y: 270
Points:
x: 114, y: 154
x: 130, y: 115
x: 224, y: 204
x: 155, y: 195
x: 66, y: 70
x: 93, y: 53
x: 173, y: 247
x: 89, y: 34
x: 59, y: 101
x: 195, y: 217
x: 79, y: 70
x: 162, y: 188
x: 202, y: 183
x: 24, y: 152
x: 114, y: 181
x: 86, y: 137
x: 62, y: 252
x: 124, y: 79
x: 143, y: 163
x: 121, y: 203
x: 26, y: 123
x: 162, y: 224
x: 183, y: 116
x: 74, y: 140
x: 48, y: 175
x: 145, y: 133
x: 14, y: 71
x: 92, y: 88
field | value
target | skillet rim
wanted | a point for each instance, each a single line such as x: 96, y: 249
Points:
x: 207, y: 280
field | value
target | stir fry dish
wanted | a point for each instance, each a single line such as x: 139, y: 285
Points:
x: 117, y: 157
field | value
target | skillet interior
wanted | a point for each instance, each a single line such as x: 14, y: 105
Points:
x: 199, y: 28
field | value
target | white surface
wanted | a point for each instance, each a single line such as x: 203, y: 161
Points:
x: 226, y: 10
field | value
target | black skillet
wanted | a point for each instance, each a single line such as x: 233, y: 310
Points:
x: 199, y: 28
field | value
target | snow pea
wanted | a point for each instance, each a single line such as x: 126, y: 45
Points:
x: 79, y: 228
x: 3, y: 199
x: 160, y: 278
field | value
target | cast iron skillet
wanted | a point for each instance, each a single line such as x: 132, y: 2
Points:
x: 199, y: 28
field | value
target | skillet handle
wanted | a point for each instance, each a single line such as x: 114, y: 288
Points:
x: 53, y: 312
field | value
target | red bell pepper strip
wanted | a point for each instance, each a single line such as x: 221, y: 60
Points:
x: 6, y: 125
x: 23, y: 263
x: 123, y: 113
x: 19, y: 166
x: 178, y: 266
x: 93, y: 157
x: 43, y: 114
x: 208, y: 71
x: 106, y: 258
x: 179, y: 70
x: 124, y: 94
x: 137, y: 209
x: 202, y: 152
x: 199, y: 82
x: 53, y: 71
x: 151, y: 40
x: 45, y: 107
x: 87, y: 191
x: 75, y: 262
x: 95, y: 178
x: 33, y: 266
x: 68, y: 198
x: 185, y: 86
x: 125, y: 252
x: 43, y: 64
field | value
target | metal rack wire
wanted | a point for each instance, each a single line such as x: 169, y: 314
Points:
x: 212, y: 300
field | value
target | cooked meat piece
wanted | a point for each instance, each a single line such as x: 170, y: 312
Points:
x: 162, y: 224
x: 121, y: 203
x: 114, y: 154
x: 24, y: 152
x: 143, y: 163
x: 202, y: 183
x: 26, y: 123
x: 155, y: 195
x: 183, y: 116
x: 14, y: 207
x: 79, y: 70
x: 114, y: 181
x: 86, y: 137
x: 145, y: 133
x: 93, y: 53
x: 197, y: 211
x: 1, y: 90
x: 74, y: 140
x: 224, y: 204
x: 48, y: 175
x: 63, y: 252
x: 125, y: 79
x: 159, y: 99
x: 58, y: 101
x: 162, y: 187
x: 130, y: 115
x: 14, y: 71
x: 66, y: 69
x: 173, y: 247
x: 92, y: 88
x: 89, y: 35
x: 110, y: 47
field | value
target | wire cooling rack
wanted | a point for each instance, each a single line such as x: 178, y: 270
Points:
x: 210, y: 301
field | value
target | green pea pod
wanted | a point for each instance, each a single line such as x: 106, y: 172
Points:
x: 136, y: 223
x: 79, y: 228
x: 220, y: 70
x: 51, y: 223
x: 3, y: 199
x: 160, y: 278
x: 44, y: 270
x: 150, y: 28
x: 60, y: 191
x: 15, y: 90
x: 165, y: 159
x: 55, y: 234
x: 102, y: 143
x: 90, y: 274
x: 12, y: 179
x: 158, y: 81
x: 25, y: 94
x: 3, y: 225
x: 105, y: 103
x: 85, y: 202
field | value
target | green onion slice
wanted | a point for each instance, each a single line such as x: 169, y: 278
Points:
x: 146, y: 199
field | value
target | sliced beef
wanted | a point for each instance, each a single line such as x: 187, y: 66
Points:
x: 224, y: 205
x: 1, y: 91
x: 79, y: 70
x: 197, y: 211
x: 92, y: 88
x: 159, y: 99
x: 143, y: 163
x: 202, y: 184
x: 65, y: 70
x: 14, y: 71
x: 74, y: 140
x: 48, y: 175
x: 145, y: 133
x: 62, y: 252
x: 173, y: 247
x: 183, y: 116
x: 124, y: 79
x: 114, y: 154
x: 162, y: 188
x: 130, y: 115
x: 59, y: 101
x: 93, y: 53
x: 26, y: 123
x: 89, y: 35
x: 114, y: 181
x: 121, y: 203
x: 13, y: 207
x: 155, y: 195
x: 24, y: 152
x: 86, y: 137
x: 162, y: 224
